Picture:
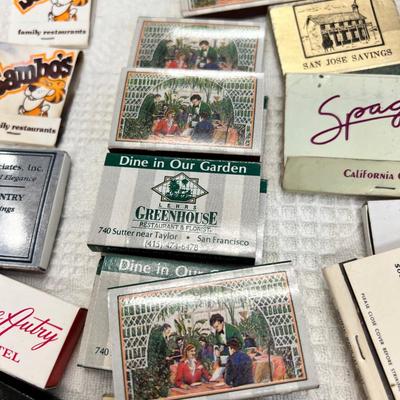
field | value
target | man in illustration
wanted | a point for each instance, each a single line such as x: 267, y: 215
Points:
x: 159, y: 356
x: 158, y: 343
x: 198, y: 107
x: 204, y: 130
x: 182, y: 118
x: 179, y: 349
x: 192, y: 59
x: 206, y: 51
x: 327, y: 43
x: 224, y: 332
x: 150, y: 110
x: 206, y: 351
x: 165, y: 51
x: 211, y: 64
x: 158, y: 105
x: 239, y: 367
x: 249, y: 341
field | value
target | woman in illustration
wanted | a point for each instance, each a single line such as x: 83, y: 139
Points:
x: 178, y: 62
x: 168, y: 125
x: 190, y: 370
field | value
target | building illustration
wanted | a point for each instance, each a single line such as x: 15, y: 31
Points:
x: 339, y: 30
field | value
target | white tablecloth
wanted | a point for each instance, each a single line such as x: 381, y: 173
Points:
x: 312, y: 230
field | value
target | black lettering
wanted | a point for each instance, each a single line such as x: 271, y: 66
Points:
x: 25, y: 74
x: 14, y: 78
x: 65, y: 65
x: 24, y: 4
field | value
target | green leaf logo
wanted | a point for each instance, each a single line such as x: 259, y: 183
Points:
x: 180, y: 189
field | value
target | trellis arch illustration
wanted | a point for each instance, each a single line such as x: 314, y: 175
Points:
x: 239, y: 89
x: 154, y: 33
x: 139, y: 319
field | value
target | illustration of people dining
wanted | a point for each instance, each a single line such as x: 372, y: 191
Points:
x: 179, y: 62
x: 186, y: 117
x: 224, y: 356
x: 190, y: 370
x: 173, y: 54
x: 167, y: 126
x: 206, y: 351
x: 224, y: 332
x: 239, y: 366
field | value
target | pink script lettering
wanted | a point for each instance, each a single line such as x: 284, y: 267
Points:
x: 358, y: 115
x: 25, y: 321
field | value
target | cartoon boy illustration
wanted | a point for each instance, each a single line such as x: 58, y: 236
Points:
x: 63, y: 10
x: 39, y: 96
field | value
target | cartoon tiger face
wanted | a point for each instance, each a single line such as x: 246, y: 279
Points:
x: 64, y: 11
x: 80, y: 3
x: 45, y: 90
x: 55, y: 89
